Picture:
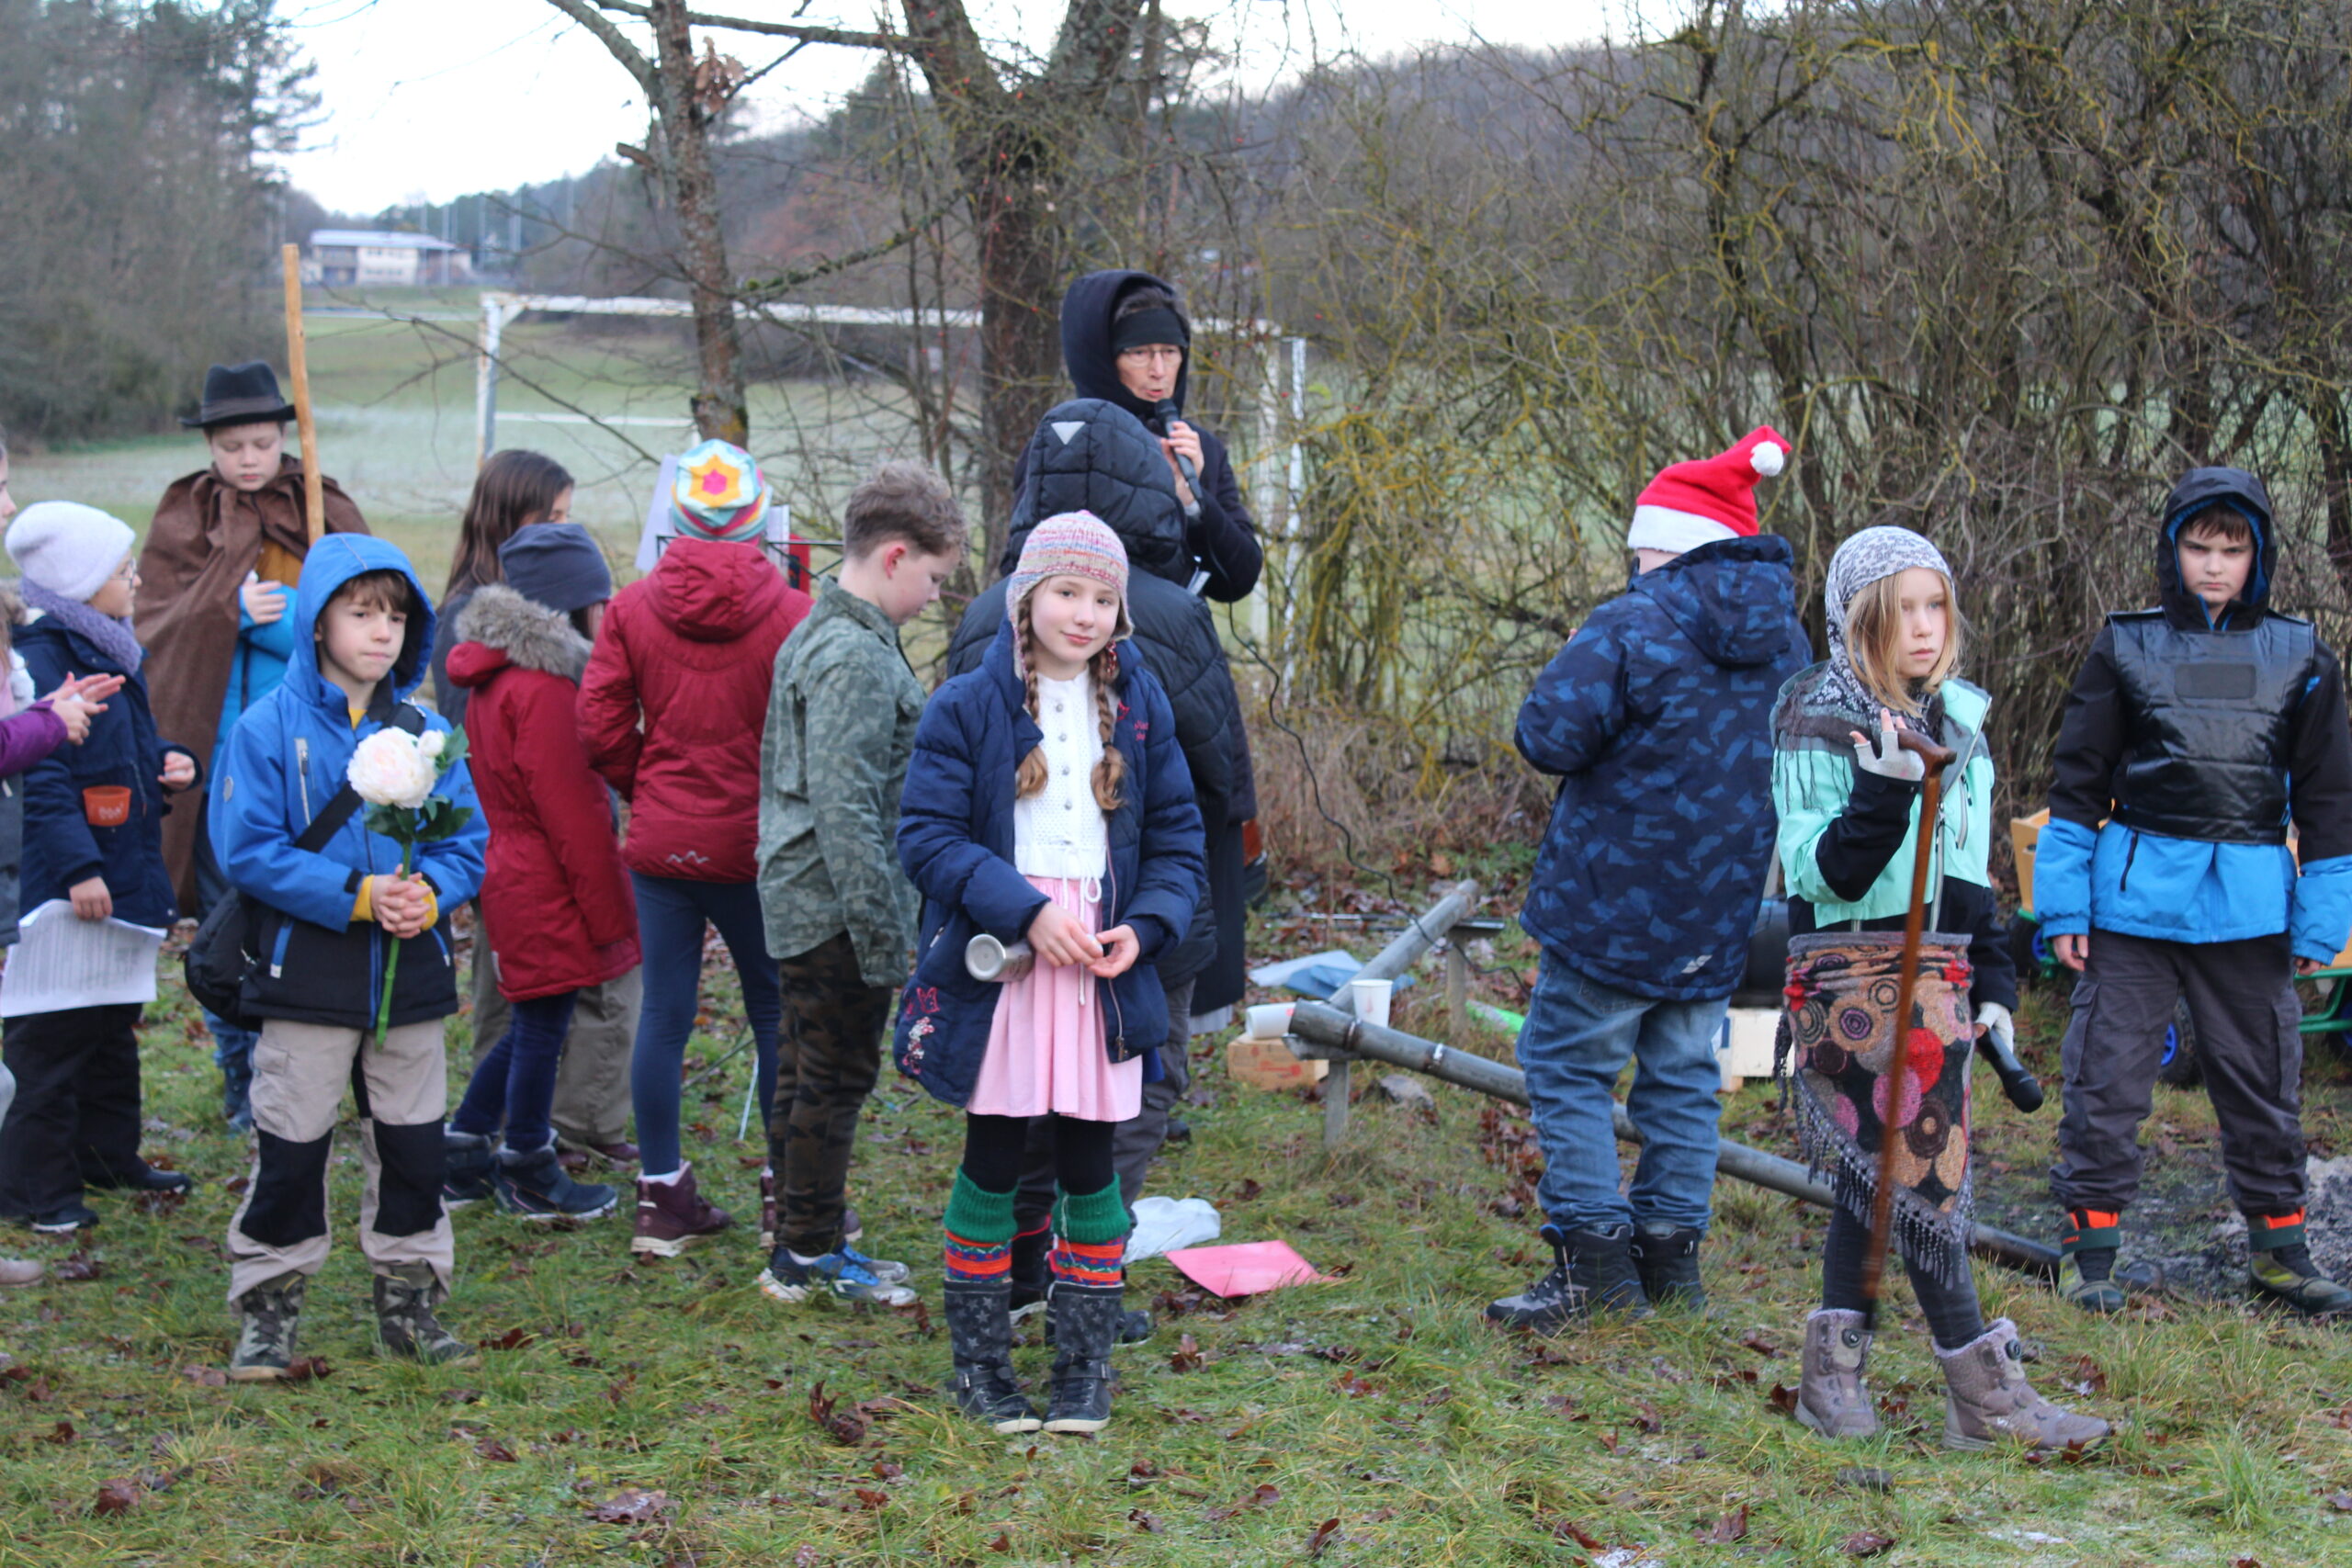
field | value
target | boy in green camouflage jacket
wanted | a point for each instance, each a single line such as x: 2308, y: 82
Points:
x: 840, y: 915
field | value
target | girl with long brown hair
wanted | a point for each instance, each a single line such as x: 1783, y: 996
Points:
x: 515, y: 489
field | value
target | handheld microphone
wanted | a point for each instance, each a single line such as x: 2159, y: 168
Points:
x: 1166, y: 412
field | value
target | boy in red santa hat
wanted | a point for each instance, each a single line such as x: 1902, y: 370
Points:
x: 1656, y: 719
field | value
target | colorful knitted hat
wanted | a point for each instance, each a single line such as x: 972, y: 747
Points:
x: 1072, y: 544
x: 720, y: 494
x: 1695, y: 503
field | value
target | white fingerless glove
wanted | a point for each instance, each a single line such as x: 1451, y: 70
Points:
x: 1995, y: 1018
x: 1890, y: 760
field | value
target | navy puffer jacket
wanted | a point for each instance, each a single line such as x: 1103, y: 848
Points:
x: 1658, y: 717
x: 956, y: 844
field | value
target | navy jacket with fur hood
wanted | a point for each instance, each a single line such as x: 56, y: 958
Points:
x: 280, y: 766
x: 956, y: 843
x: 1658, y: 717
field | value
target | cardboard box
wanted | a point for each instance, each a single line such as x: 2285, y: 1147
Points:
x: 1268, y: 1063
x: 2025, y: 832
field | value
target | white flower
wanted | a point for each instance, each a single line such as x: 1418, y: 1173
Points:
x: 431, y: 742
x: 391, y: 769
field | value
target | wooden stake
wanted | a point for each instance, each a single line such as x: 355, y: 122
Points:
x: 1898, y: 1067
x: 298, y: 369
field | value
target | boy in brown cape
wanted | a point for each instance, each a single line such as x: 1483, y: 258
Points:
x: 215, y: 610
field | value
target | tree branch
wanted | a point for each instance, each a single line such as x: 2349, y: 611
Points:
x: 846, y: 38
x: 632, y: 58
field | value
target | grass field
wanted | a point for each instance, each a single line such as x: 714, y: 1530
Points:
x: 395, y: 404
x: 662, y: 1413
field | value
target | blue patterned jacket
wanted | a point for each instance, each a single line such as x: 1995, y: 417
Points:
x: 1657, y: 717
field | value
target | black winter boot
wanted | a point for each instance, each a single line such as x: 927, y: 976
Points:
x: 470, y: 1168
x: 1592, y: 1271
x: 533, y: 1184
x: 979, y: 1333
x: 1083, y: 1321
x: 1032, y: 1276
x: 1667, y: 1259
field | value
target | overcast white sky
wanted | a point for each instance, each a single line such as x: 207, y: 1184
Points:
x: 434, y: 98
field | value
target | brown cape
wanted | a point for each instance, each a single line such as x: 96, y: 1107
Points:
x: 205, y: 537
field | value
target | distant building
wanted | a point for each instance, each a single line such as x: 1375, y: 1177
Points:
x: 363, y: 256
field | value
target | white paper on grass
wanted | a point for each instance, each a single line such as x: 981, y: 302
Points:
x: 1272, y: 975
x: 1164, y: 1225
x: 63, y: 961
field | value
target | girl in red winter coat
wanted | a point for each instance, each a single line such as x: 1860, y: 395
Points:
x: 557, y: 916
x: 672, y: 708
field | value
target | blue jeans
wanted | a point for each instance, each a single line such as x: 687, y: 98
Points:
x: 516, y: 1083
x: 671, y: 914
x: 232, y: 1052
x: 1580, y: 1033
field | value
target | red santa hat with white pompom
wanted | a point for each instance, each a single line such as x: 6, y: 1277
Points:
x: 1697, y: 503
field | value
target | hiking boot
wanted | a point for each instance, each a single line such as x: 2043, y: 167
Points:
x: 672, y: 1215
x: 979, y: 1332
x: 1032, y: 1275
x: 469, y: 1167
x: 1592, y: 1271
x: 1831, y: 1397
x: 534, y: 1185
x: 845, y: 1272
x: 1986, y: 1398
x: 2280, y: 1267
x: 1083, y: 1323
x: 267, y: 1316
x: 1666, y: 1259
x: 2087, y: 1244
x: 404, y: 1302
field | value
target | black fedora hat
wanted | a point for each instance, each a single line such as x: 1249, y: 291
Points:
x: 240, y: 394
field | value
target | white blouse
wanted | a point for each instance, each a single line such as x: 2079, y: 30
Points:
x: 1060, y: 830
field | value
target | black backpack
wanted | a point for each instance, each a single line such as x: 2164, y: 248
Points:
x: 223, y: 950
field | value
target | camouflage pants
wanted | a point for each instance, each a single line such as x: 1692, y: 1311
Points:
x: 828, y: 1055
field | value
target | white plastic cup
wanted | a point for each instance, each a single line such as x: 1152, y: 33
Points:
x: 1269, y: 1021
x: 1371, y: 998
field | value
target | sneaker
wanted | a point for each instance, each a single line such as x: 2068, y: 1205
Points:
x: 268, y: 1317
x: 404, y: 1302
x: 842, y: 1273
x: 74, y: 1216
x: 534, y: 1186
x: 673, y: 1215
x: 469, y: 1169
x: 1592, y: 1271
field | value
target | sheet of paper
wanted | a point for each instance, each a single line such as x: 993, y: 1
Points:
x: 62, y: 961
x: 1245, y: 1269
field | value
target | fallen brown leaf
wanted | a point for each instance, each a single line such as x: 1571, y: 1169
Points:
x: 1730, y: 1527
x: 1865, y: 1543
x: 205, y: 1377
x: 871, y: 1501
x: 117, y: 1496
x: 1646, y: 1418
x: 845, y: 1426
x: 1186, y: 1357
x: 1321, y: 1536
x: 1782, y: 1398
x: 633, y: 1507
x: 1754, y: 1339
x: 1143, y: 1521
x: 78, y: 1268
x: 1257, y: 1497
x: 495, y: 1451
x: 60, y: 1434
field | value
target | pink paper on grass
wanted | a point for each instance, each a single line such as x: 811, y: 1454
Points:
x: 1245, y: 1269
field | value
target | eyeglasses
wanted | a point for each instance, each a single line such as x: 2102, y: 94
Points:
x: 126, y: 572
x: 1154, y: 352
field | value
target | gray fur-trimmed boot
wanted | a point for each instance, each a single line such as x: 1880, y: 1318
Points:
x: 404, y: 1302
x: 1831, y: 1396
x: 268, y: 1317
x: 979, y: 1334
x: 1986, y: 1398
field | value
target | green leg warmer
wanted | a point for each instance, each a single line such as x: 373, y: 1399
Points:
x: 1090, y: 1218
x: 981, y: 1217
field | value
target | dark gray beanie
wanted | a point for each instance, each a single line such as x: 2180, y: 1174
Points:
x: 557, y: 565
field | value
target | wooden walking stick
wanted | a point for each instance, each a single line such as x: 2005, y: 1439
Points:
x: 298, y: 369
x: 1931, y: 800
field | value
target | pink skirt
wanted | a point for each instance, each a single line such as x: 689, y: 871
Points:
x: 1046, y: 1046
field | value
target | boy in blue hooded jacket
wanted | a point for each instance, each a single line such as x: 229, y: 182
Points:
x: 2195, y: 732
x: 329, y: 922
x: 1657, y: 720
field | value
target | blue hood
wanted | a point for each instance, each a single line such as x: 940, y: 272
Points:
x: 2199, y: 490
x: 334, y: 562
x: 1733, y: 599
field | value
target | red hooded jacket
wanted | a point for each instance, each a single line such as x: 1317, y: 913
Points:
x: 675, y: 699
x: 556, y: 904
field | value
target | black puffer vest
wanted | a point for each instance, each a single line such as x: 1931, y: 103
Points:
x: 2210, y: 713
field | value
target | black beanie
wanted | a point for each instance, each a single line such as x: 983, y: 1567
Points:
x: 556, y: 565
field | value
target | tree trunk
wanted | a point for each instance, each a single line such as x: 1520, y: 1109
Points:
x: 720, y: 411
x: 1020, y: 287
